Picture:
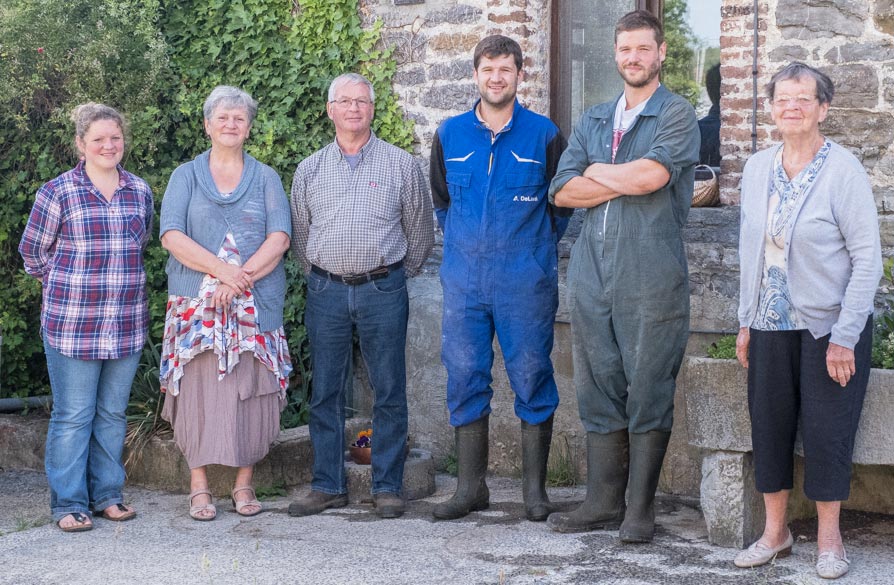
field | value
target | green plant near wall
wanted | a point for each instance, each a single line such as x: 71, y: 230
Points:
x: 157, y: 60
x: 883, y: 335
x: 54, y: 55
x: 285, y: 54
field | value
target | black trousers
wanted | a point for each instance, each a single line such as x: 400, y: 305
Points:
x: 789, y: 386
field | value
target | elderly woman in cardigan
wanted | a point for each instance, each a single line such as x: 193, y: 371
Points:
x: 810, y: 264
x: 225, y: 362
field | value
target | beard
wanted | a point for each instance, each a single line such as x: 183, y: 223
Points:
x: 500, y: 100
x: 632, y: 81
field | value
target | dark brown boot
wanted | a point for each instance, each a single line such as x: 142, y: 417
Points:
x: 535, y: 454
x: 646, y: 456
x: 471, y: 467
x: 603, y: 508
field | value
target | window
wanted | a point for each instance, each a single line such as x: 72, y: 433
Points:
x: 583, y: 61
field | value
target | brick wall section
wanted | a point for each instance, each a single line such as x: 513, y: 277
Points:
x: 850, y: 40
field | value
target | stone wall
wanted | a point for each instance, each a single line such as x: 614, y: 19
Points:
x: 433, y: 43
x: 850, y: 40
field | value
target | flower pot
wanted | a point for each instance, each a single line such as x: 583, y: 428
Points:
x: 360, y: 455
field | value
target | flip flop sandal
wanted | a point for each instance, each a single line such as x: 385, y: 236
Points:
x: 81, y: 526
x: 195, y: 512
x: 126, y: 514
x: 246, y: 503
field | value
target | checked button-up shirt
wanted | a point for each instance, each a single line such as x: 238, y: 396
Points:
x: 353, y: 221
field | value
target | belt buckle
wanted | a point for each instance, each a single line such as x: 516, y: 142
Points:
x: 353, y: 279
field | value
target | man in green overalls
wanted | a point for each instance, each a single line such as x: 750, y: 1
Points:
x: 630, y: 163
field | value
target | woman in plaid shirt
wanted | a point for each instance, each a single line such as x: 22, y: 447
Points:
x: 84, y: 240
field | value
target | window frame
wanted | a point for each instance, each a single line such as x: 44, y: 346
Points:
x: 560, y: 68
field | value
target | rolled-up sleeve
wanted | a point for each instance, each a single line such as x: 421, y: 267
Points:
x: 279, y: 218
x: 175, y: 203
x: 677, y: 139
x: 574, y: 160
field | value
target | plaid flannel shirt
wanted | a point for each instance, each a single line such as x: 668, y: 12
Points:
x: 88, y: 253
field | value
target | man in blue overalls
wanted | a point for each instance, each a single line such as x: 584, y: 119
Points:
x: 630, y: 163
x: 490, y: 170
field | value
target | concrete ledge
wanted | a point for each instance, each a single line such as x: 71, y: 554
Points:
x: 22, y: 441
x: 289, y: 463
x: 419, y: 478
x: 161, y: 465
x: 718, y: 422
x: 717, y: 411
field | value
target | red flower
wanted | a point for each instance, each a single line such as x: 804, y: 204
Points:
x: 40, y: 50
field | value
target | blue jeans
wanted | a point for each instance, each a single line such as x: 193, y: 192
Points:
x: 86, y: 434
x: 378, y: 310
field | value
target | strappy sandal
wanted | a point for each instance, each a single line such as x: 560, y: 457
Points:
x: 245, y: 503
x: 195, y: 512
x: 126, y: 513
x: 83, y: 523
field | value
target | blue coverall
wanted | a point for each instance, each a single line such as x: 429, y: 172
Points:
x: 500, y: 268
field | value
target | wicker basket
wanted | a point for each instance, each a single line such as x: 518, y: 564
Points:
x: 706, y: 192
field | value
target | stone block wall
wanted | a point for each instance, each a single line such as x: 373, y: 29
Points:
x: 851, y: 41
x: 433, y: 43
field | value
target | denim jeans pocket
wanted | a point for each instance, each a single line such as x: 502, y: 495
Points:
x: 316, y: 283
x: 394, y: 282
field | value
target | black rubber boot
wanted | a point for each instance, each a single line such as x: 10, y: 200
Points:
x: 646, y: 456
x: 535, y: 454
x: 471, y: 466
x: 603, y: 508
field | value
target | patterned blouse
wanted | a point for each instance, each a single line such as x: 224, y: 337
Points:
x: 193, y: 326
x: 775, y: 309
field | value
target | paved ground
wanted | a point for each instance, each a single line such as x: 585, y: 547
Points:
x: 351, y: 546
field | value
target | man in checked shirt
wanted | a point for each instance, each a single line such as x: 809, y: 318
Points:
x: 362, y: 224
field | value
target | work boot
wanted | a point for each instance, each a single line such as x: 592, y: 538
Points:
x: 535, y: 454
x: 471, y: 466
x: 315, y: 502
x: 389, y: 505
x: 603, y: 508
x: 646, y: 456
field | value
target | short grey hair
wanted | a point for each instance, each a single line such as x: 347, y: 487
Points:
x: 825, y: 89
x: 350, y: 78
x: 228, y: 96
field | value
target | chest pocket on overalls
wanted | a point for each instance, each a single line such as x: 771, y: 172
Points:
x: 523, y: 193
x: 458, y: 187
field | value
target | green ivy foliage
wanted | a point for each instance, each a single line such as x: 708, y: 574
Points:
x: 54, y: 55
x: 157, y: 60
x: 285, y: 54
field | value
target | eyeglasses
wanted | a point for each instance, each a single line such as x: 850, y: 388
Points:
x: 345, y: 103
x: 799, y: 100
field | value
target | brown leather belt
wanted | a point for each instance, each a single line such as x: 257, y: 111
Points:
x: 353, y: 279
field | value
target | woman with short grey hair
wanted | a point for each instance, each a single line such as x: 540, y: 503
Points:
x: 225, y: 362
x: 810, y: 263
